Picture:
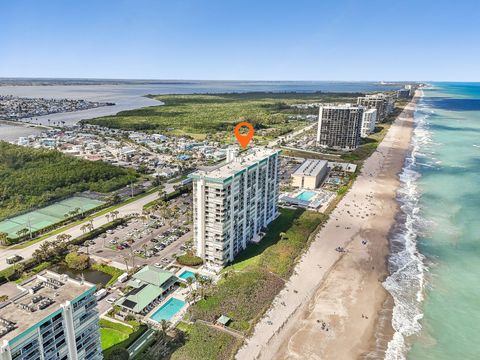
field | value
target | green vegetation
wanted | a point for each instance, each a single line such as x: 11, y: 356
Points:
x: 189, y: 259
x: 76, y: 261
x: 118, y: 354
x: 110, y: 270
x: 205, y: 343
x: 248, y: 286
x: 114, y: 335
x: 206, y: 115
x: 51, y: 252
x: 31, y: 178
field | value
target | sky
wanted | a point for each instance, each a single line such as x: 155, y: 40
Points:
x: 346, y: 40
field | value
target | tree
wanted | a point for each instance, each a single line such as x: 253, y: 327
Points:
x: 77, y: 261
x: 118, y: 354
x: 3, y: 238
x: 22, y: 232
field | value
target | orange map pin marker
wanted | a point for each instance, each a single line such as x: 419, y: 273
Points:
x: 244, y: 139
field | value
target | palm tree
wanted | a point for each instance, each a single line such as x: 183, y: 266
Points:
x: 164, y: 325
x: 22, y: 232
x: 189, y: 283
x: 83, y: 228
x: 190, y: 298
x: 37, y: 256
x: 125, y: 260
x: 144, y: 248
x: 108, y: 217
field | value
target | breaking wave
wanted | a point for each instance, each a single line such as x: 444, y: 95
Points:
x: 406, y: 263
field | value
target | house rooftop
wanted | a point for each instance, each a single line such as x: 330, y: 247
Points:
x: 147, y: 284
x: 310, y: 167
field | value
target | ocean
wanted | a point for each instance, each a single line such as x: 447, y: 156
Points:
x: 435, y: 264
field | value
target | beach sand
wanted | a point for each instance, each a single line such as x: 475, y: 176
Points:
x: 334, y: 306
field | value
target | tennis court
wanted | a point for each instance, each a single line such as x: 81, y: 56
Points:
x: 52, y: 214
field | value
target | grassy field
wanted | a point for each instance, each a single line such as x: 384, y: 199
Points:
x: 205, y: 343
x: 202, y: 116
x: 114, y: 335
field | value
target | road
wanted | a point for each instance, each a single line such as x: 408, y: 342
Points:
x: 127, y: 209
x: 289, y: 136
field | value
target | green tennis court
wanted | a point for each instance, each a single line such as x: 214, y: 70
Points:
x: 52, y: 214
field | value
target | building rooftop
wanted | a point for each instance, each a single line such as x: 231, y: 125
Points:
x: 227, y: 169
x: 341, y: 106
x: 147, y: 284
x: 35, y: 299
x: 311, y: 167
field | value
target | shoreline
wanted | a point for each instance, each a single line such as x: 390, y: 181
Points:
x: 334, y: 306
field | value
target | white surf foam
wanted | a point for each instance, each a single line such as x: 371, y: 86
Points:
x: 406, y: 264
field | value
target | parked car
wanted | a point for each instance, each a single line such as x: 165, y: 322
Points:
x: 120, y: 247
x: 111, y: 300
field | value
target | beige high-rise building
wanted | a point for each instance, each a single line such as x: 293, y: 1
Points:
x: 383, y: 103
x: 339, y: 126
x: 232, y: 203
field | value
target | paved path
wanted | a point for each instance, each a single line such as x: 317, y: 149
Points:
x: 127, y: 209
x: 289, y: 136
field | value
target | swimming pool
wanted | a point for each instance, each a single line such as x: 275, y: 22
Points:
x: 305, y: 195
x: 168, y: 310
x: 186, y: 274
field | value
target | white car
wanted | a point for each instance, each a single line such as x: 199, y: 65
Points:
x: 113, y: 241
x: 111, y: 300
x: 158, y: 265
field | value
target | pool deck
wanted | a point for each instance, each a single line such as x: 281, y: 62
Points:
x: 179, y: 294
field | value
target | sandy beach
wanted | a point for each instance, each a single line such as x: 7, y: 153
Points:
x: 334, y: 306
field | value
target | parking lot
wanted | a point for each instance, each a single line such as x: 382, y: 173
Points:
x: 146, y: 239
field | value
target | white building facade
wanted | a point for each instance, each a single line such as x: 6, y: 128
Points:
x: 369, y: 120
x: 233, y: 203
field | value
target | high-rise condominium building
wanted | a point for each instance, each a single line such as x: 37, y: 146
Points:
x: 232, y: 203
x: 49, y: 317
x: 369, y: 119
x: 384, y: 104
x: 339, y: 126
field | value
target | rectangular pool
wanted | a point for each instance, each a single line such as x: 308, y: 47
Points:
x: 168, y: 310
x: 187, y: 274
x: 305, y: 195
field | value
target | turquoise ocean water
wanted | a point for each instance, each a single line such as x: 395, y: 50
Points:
x: 435, y: 264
